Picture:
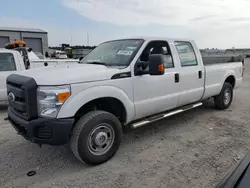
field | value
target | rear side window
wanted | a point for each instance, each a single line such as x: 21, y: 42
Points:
x: 7, y: 62
x: 186, y: 54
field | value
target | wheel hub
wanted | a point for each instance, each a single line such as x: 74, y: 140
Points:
x: 227, y: 96
x: 101, y: 138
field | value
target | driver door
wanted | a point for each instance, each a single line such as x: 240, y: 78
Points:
x: 155, y: 94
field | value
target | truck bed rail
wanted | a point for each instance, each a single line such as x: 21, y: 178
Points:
x: 215, y: 59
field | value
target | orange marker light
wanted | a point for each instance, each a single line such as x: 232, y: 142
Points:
x: 61, y: 97
x: 161, y: 68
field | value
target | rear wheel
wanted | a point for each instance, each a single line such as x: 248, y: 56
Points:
x: 224, y: 99
x: 96, y: 137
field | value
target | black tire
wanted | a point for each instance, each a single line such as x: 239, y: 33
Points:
x: 80, y: 138
x: 220, y: 101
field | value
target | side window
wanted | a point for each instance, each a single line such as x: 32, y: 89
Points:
x: 168, y: 60
x: 186, y: 54
x: 7, y: 62
x: 158, y: 47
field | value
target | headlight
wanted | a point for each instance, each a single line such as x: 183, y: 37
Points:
x: 51, y: 98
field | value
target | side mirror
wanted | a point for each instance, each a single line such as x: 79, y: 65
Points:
x: 156, y: 64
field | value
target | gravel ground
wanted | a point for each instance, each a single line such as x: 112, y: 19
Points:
x: 194, y: 149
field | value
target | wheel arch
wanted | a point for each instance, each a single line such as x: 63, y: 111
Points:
x: 108, y: 104
x: 98, y: 93
x: 229, y: 77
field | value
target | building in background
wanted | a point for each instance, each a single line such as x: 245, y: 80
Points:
x: 36, y: 39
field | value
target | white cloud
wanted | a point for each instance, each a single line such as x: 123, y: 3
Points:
x: 212, y: 23
x: 162, y: 12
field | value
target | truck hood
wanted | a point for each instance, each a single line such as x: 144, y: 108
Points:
x: 70, y: 74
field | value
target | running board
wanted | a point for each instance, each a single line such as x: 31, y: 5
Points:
x: 164, y: 115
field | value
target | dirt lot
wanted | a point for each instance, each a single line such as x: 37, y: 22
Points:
x: 194, y: 149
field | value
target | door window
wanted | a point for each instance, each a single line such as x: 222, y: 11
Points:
x: 7, y: 62
x: 186, y: 54
x: 158, y: 47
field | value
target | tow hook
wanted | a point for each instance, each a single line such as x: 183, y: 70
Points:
x: 31, y: 173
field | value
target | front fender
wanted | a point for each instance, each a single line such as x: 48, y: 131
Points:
x: 75, y: 102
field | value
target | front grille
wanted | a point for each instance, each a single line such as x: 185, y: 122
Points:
x: 21, y: 93
x: 18, y: 104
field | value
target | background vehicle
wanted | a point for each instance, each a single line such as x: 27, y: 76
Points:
x: 15, y: 44
x: 11, y: 62
x: 238, y: 176
x: 127, y: 82
x: 29, y: 55
x: 69, y: 52
x: 60, y: 54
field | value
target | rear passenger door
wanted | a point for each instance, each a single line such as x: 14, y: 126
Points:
x: 191, y: 74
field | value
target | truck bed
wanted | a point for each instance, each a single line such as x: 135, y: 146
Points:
x: 216, y: 75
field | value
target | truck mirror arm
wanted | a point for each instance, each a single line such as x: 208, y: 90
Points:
x: 141, y: 72
x: 140, y: 67
x: 27, y: 64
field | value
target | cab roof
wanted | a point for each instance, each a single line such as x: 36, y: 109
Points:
x: 8, y: 50
x: 150, y: 38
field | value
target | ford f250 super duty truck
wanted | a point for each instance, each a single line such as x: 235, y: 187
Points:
x: 126, y: 82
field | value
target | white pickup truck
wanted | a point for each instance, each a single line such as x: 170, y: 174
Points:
x: 126, y: 82
x: 11, y: 61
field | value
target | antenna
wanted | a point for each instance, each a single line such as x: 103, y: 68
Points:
x: 87, y: 38
x: 70, y: 36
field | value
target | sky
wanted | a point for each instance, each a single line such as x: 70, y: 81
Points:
x: 211, y: 23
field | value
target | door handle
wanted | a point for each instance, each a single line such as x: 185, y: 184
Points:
x: 177, y: 78
x: 200, y: 74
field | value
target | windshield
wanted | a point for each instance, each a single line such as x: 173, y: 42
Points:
x: 114, y: 53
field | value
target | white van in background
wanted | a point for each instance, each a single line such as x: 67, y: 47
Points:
x: 61, y: 55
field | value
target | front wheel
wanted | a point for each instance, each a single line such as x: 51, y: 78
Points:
x: 96, y: 137
x: 224, y: 99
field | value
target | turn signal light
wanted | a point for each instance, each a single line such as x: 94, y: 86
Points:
x: 161, y: 68
x: 61, y: 97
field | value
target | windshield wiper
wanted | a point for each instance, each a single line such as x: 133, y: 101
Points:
x: 96, y: 63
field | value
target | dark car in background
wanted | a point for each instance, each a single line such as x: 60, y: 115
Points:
x: 239, y: 176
